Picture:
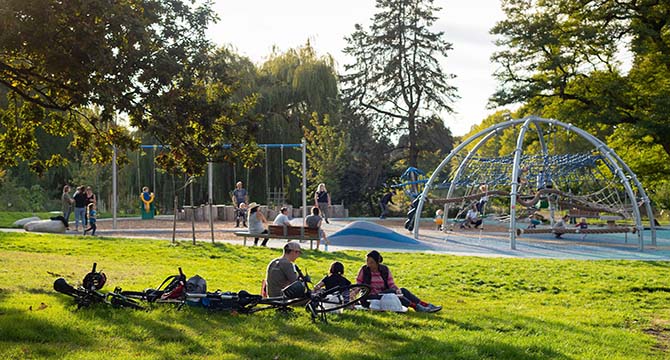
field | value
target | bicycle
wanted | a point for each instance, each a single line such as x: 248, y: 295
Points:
x: 171, y: 290
x: 317, y: 303
x: 88, y: 293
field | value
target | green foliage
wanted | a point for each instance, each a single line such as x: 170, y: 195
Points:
x: 60, y: 58
x: 496, y: 308
x: 326, y: 155
x: 562, y: 59
x: 396, y: 75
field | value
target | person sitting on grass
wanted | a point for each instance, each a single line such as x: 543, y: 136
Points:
x: 282, y: 271
x: 378, y: 277
x: 334, y: 278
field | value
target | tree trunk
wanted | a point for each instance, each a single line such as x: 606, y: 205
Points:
x: 413, y: 152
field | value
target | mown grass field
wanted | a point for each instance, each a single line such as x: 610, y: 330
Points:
x: 493, y: 308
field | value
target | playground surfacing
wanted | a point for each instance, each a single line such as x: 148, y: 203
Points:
x: 389, y: 234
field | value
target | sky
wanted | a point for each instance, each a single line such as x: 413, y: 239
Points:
x: 254, y: 27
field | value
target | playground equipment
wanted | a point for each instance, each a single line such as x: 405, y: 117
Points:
x: 413, y: 182
x: 210, y: 177
x: 584, y: 178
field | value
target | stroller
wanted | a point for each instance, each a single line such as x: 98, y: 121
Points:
x: 241, y: 214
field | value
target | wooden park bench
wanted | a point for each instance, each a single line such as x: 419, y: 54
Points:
x: 284, y: 232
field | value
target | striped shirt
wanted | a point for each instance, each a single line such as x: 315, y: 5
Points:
x: 376, y: 281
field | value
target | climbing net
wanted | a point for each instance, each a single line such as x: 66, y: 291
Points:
x: 579, y: 183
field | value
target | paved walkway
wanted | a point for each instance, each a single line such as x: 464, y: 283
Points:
x: 467, y: 243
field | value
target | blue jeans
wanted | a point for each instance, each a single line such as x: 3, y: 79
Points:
x: 79, y: 214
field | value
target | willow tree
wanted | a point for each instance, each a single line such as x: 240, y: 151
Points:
x: 396, y: 78
x: 292, y: 85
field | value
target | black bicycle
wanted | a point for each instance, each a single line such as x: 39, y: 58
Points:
x: 318, y: 303
x: 89, y: 292
x: 171, y: 290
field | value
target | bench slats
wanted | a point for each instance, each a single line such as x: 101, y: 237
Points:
x: 277, y: 232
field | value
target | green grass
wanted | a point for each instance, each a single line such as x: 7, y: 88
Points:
x: 7, y: 218
x: 493, y: 308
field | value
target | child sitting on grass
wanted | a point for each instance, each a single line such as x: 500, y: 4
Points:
x: 334, y: 279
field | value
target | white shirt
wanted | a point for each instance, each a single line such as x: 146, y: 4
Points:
x: 282, y: 219
x: 472, y: 214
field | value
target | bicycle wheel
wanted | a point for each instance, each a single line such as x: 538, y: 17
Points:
x: 118, y: 300
x: 340, y: 297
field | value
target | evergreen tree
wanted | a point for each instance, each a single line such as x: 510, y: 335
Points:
x: 396, y: 73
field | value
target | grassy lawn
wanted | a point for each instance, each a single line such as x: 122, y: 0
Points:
x: 493, y: 308
x: 7, y: 218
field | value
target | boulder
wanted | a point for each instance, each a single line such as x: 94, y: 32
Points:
x: 46, y: 226
x: 21, y: 222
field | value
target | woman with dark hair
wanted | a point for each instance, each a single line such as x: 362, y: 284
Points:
x: 379, y: 278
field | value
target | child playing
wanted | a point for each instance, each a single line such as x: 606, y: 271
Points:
x: 535, y: 220
x: 92, y: 215
x: 582, y: 223
x: 241, y: 214
x: 439, y: 219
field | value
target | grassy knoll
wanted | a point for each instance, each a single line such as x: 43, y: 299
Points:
x: 493, y: 308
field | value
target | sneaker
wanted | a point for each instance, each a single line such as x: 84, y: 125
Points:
x: 421, y: 308
x: 327, y: 222
x: 434, y: 308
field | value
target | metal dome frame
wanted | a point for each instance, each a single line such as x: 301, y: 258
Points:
x: 618, y: 166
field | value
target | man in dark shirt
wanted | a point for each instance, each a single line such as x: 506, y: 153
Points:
x: 80, y: 202
x: 384, y: 203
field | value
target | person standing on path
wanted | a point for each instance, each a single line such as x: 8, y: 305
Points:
x: 67, y: 202
x: 80, y: 208
x: 322, y: 201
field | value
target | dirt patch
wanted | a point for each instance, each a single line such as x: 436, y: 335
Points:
x: 660, y: 330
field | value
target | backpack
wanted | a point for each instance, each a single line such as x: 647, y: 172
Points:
x: 196, y: 285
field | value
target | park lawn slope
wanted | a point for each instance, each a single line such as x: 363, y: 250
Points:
x: 493, y: 307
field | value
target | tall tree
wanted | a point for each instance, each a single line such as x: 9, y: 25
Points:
x: 396, y: 73
x: 148, y: 59
x: 562, y: 58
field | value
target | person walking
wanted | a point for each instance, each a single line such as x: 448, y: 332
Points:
x: 384, y: 203
x: 322, y: 201
x: 67, y: 202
